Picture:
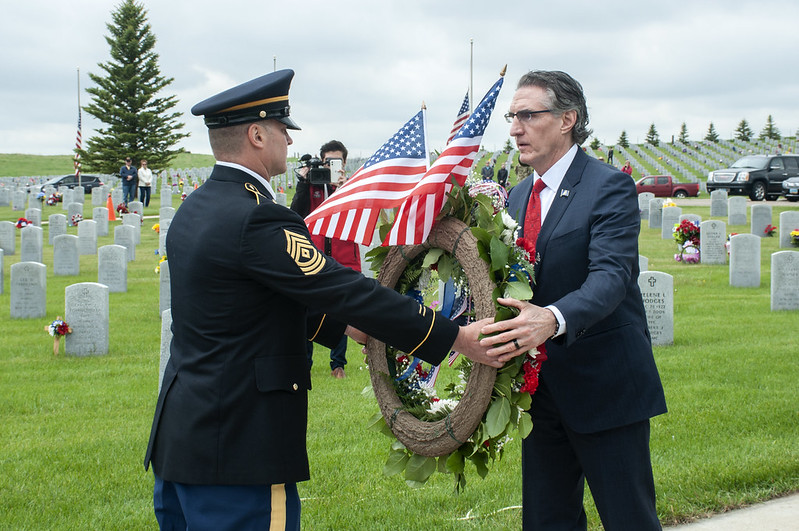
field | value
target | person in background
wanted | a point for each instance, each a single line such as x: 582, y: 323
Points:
x: 627, y: 168
x: 129, y: 175
x: 228, y: 437
x: 145, y: 175
x: 487, y: 173
x: 307, y: 198
x: 599, y: 385
x: 502, y: 176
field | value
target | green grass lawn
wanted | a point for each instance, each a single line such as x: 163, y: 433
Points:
x: 75, y: 429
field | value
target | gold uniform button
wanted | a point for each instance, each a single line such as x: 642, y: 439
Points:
x: 295, y: 386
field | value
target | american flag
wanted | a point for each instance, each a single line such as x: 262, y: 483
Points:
x: 463, y: 114
x: 383, y: 181
x: 78, y: 144
x: 419, y: 210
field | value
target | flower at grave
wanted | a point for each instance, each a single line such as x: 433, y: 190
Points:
x: 161, y: 261
x: 22, y: 222
x: 727, y: 243
x: 122, y: 208
x: 40, y: 196
x: 53, y: 199
x: 57, y: 329
x: 669, y: 203
x: 183, y: 196
x: 157, y: 228
x: 795, y: 237
x: 686, y: 231
x: 512, y: 273
x: 769, y: 230
x: 76, y: 218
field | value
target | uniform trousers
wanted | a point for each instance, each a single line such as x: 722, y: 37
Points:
x: 179, y: 506
x: 557, y: 461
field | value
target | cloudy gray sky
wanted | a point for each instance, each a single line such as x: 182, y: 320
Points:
x: 364, y: 67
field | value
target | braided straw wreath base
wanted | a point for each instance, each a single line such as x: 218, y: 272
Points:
x: 442, y: 437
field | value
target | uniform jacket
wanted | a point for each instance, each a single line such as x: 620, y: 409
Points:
x: 233, y: 403
x: 601, y: 371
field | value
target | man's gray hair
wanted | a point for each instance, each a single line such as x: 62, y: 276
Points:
x: 565, y: 94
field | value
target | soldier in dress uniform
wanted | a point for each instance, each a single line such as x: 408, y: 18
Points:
x: 249, y: 288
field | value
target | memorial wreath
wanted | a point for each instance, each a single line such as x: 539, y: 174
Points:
x: 474, y: 246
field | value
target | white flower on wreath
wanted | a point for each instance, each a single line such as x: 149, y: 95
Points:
x: 508, y: 235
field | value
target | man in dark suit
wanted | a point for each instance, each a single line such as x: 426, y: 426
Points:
x: 248, y: 290
x: 599, y: 386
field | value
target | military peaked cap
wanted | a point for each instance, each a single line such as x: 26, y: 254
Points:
x: 263, y: 98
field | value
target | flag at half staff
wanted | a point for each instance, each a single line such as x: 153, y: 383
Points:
x: 383, y: 181
x: 419, y: 210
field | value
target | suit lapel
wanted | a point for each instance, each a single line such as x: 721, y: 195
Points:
x: 563, y: 198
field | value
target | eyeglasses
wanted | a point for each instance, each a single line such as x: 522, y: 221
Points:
x: 523, y: 116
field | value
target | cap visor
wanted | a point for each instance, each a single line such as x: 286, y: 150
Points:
x: 290, y: 124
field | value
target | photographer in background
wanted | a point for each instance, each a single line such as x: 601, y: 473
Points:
x: 315, y: 182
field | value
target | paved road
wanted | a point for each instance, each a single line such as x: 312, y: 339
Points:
x: 781, y: 514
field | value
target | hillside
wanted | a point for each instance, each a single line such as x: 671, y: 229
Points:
x: 21, y: 165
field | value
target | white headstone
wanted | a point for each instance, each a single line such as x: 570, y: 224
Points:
x: 643, y: 203
x: 718, y: 203
x: 696, y: 219
x: 18, y: 200
x: 166, y: 197
x: 112, y: 267
x: 73, y: 211
x: 66, y: 198
x: 66, y: 260
x: 655, y: 213
x: 31, y: 241
x: 5, y: 197
x: 761, y: 218
x: 657, y: 290
x: 785, y: 280
x: 166, y: 342
x: 136, y: 207
x: 57, y: 225
x: 165, y: 295
x: 124, y: 235
x: 87, y: 234
x: 34, y: 215
x: 98, y: 196
x: 116, y: 197
x: 745, y: 261
x: 643, y: 263
x: 737, y: 210
x: 789, y: 221
x: 86, y: 312
x: 133, y: 220
x: 8, y: 237
x: 100, y: 216
x: 670, y: 217
x: 28, y: 290
x: 165, y: 213
x: 1, y: 271
x: 712, y: 240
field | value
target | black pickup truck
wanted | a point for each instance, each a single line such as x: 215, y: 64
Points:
x: 758, y: 176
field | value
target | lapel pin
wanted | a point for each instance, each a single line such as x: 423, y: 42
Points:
x: 564, y: 193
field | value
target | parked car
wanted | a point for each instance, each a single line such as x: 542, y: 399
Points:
x: 790, y: 188
x: 758, y: 176
x: 87, y: 181
x: 666, y: 186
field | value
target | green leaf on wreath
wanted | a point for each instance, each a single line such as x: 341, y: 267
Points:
x: 499, y: 254
x: 525, y: 424
x: 456, y: 462
x: 503, y: 384
x: 432, y: 257
x: 419, y: 468
x: 395, y: 463
x: 446, y: 264
x: 497, y: 416
x: 505, y: 312
x: 378, y: 423
x: 518, y: 290
x: 481, y: 464
x: 524, y: 400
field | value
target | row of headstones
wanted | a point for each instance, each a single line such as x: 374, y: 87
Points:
x: 665, y: 218
x: 657, y: 289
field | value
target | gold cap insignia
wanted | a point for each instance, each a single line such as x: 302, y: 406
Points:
x: 303, y: 252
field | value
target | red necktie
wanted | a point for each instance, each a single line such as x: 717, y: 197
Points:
x: 532, y: 219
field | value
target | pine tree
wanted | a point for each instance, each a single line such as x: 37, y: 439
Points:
x: 744, y: 132
x: 138, y: 122
x: 623, y: 141
x: 508, y: 146
x: 683, y: 137
x: 712, y: 135
x: 595, y: 144
x: 652, y: 136
x: 770, y: 130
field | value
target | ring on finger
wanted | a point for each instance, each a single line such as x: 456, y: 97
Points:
x: 516, y: 343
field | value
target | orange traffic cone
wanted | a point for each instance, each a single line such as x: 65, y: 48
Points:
x: 110, y: 206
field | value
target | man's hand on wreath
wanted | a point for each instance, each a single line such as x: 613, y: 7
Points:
x: 468, y: 343
x: 531, y: 328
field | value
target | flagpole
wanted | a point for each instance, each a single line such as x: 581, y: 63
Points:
x: 471, y: 75
x: 77, y: 155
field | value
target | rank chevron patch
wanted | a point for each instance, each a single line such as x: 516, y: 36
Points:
x: 303, y: 252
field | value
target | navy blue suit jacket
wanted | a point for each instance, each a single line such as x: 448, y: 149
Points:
x: 601, y: 372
